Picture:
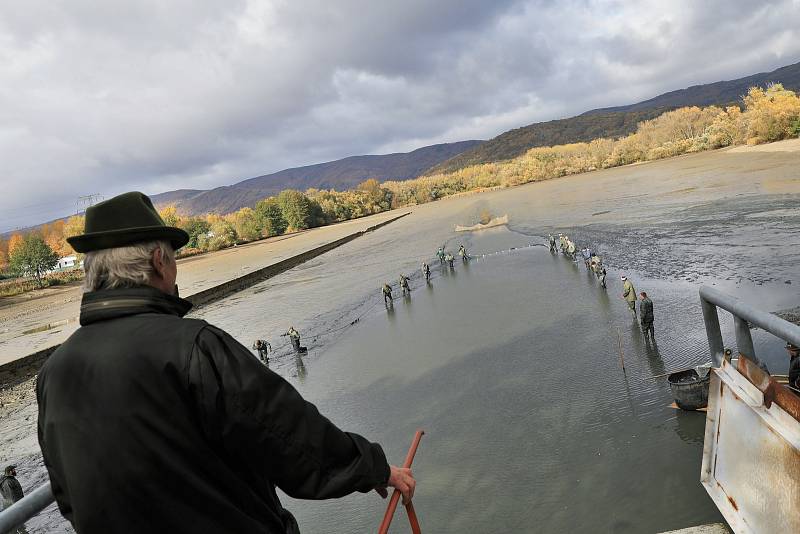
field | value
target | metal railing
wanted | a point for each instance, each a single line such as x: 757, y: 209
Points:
x: 752, y: 435
x: 15, y: 515
x: 743, y: 316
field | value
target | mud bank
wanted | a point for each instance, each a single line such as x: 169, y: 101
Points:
x: 24, y: 320
x: 26, y: 367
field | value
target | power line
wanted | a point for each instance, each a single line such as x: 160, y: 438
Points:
x: 87, y: 201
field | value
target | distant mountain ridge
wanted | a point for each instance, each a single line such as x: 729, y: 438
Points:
x: 716, y: 93
x: 614, y: 121
x: 341, y: 174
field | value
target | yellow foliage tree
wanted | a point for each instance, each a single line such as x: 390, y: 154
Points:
x: 771, y: 114
x: 245, y: 223
x: 13, y: 242
x: 169, y: 214
x: 73, y: 226
x: 53, y: 235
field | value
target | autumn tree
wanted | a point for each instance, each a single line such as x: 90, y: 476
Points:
x: 3, y: 258
x: 195, y: 227
x: 169, y: 214
x: 270, y: 217
x: 74, y: 226
x: 220, y: 234
x: 53, y: 235
x: 13, y: 242
x: 246, y: 223
x: 33, y: 257
x: 377, y: 198
x: 295, y: 208
x: 770, y: 114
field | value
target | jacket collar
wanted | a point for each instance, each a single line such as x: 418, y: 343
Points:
x: 113, y: 303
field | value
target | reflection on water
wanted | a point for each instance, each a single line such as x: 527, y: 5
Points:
x: 300, y: 367
x: 690, y: 426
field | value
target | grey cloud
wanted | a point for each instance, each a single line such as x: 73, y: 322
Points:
x: 110, y: 96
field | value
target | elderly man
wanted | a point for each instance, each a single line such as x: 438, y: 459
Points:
x: 150, y: 422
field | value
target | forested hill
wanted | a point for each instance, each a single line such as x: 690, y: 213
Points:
x: 340, y: 175
x: 558, y: 132
x: 715, y: 93
x: 614, y: 121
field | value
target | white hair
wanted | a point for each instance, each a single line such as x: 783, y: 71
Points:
x: 129, y: 266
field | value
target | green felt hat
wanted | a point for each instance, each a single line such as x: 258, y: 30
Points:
x: 124, y: 220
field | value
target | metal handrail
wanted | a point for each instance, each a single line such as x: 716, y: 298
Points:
x: 15, y: 515
x: 743, y: 316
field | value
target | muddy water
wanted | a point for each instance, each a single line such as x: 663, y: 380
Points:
x: 511, y: 364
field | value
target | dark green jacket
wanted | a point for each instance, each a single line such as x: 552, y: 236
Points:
x: 646, y: 310
x: 10, y: 489
x: 149, y: 422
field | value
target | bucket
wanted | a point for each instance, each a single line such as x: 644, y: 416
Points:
x: 690, y: 391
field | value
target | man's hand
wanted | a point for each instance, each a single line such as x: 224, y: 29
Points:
x: 401, y: 479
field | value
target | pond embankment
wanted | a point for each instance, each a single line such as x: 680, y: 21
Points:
x: 17, y: 368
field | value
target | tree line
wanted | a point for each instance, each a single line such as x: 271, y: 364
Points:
x: 765, y: 115
x: 289, y: 211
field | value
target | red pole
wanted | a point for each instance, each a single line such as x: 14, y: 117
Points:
x: 412, y: 516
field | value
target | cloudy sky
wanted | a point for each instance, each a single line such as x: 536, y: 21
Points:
x: 104, y: 96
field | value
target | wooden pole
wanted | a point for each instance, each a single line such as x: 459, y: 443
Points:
x: 621, y: 354
x: 412, y: 515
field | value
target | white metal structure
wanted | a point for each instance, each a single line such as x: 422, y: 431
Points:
x: 751, y: 452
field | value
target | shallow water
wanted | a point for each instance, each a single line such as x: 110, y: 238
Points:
x: 511, y: 364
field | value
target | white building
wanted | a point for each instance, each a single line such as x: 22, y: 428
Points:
x: 66, y: 262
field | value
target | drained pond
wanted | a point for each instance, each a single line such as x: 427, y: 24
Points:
x: 512, y: 364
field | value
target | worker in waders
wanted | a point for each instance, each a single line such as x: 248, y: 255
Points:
x: 571, y: 250
x: 387, y: 294
x: 426, y: 271
x: 646, y: 316
x: 463, y: 253
x: 440, y: 254
x: 10, y: 488
x: 294, y: 337
x: 602, y: 277
x: 587, y: 256
x: 629, y: 294
x: 794, y: 367
x: 263, y: 348
x: 449, y: 259
x: 404, y: 287
x: 552, y: 241
x: 596, y: 264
